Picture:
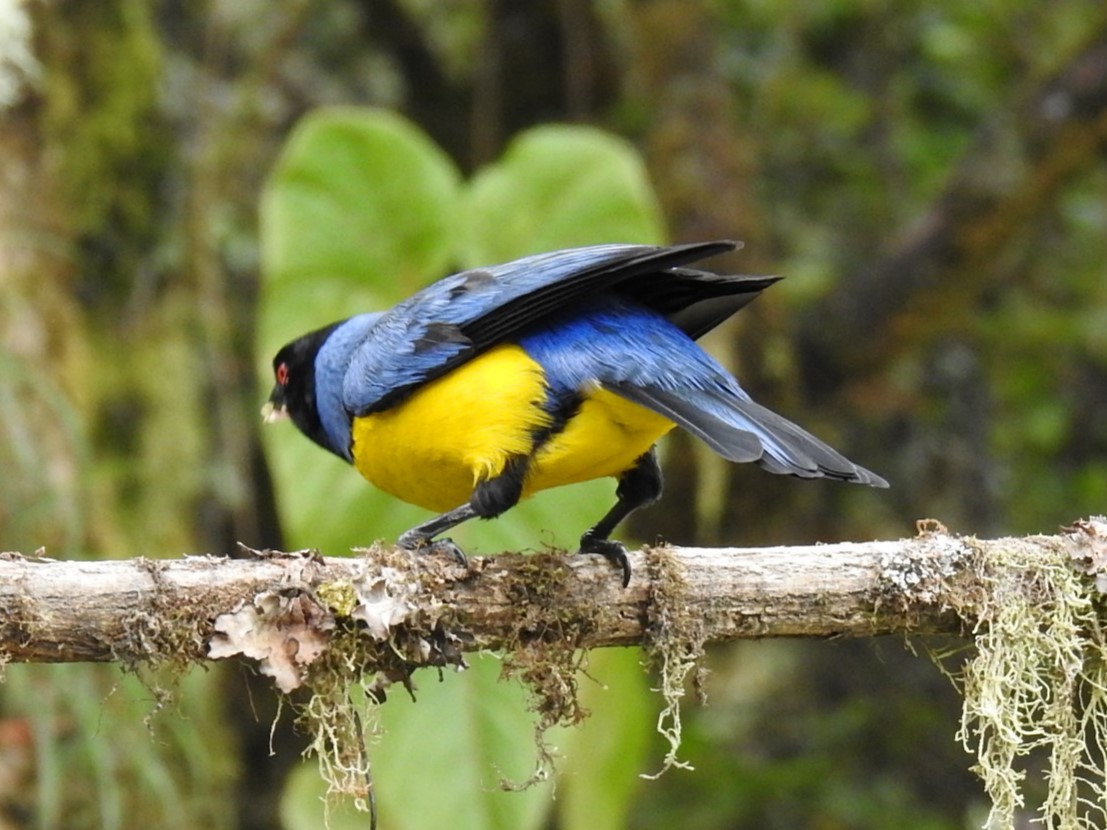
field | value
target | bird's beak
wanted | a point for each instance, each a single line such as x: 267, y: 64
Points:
x: 274, y: 409
x: 270, y: 414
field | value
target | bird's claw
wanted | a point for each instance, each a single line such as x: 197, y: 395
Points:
x: 614, y: 552
x: 447, y: 547
x: 434, y: 547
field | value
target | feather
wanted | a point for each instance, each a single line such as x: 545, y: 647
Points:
x: 486, y: 306
x: 639, y: 355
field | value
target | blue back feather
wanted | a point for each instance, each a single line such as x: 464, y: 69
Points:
x: 409, y: 346
x: 630, y: 350
x: 638, y: 354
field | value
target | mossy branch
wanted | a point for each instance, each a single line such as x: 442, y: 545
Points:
x: 1034, y: 606
x: 150, y: 610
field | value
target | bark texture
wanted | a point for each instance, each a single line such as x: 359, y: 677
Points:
x: 150, y: 610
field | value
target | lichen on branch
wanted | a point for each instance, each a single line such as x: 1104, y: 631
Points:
x: 350, y: 629
x: 1038, y: 680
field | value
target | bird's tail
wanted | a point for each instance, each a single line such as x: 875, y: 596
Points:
x: 740, y: 430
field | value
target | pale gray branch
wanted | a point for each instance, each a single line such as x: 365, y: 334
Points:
x: 149, y: 610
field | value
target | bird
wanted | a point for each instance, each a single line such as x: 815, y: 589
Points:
x: 498, y: 382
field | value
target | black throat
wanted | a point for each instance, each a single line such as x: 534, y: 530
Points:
x: 298, y: 393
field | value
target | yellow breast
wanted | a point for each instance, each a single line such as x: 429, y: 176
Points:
x: 605, y: 438
x: 433, y: 448
x: 457, y: 430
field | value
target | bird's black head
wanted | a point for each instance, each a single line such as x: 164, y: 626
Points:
x: 293, y: 394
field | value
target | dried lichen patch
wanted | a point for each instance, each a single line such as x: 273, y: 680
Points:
x: 914, y: 578
x: 339, y: 596
x: 285, y: 633
x: 385, y: 599
x: 1089, y: 554
x: 347, y: 640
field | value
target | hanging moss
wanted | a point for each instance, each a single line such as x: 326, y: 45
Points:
x: 1037, y: 683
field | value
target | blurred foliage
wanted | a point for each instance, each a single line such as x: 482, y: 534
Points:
x: 557, y: 187
x: 831, y: 137
x: 357, y: 198
x: 106, y: 757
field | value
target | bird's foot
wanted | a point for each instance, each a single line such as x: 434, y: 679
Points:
x: 434, y: 547
x: 614, y: 552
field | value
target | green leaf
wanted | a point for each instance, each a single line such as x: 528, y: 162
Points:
x: 556, y: 187
x: 303, y: 804
x: 359, y: 194
x: 605, y: 754
x: 441, y: 759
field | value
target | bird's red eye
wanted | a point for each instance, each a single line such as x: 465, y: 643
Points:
x: 282, y: 374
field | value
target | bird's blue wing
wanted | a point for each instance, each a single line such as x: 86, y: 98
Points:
x: 464, y: 314
x: 639, y: 355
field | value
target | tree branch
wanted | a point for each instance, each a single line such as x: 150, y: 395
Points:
x: 150, y: 610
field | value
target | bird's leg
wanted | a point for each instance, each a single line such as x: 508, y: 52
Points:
x: 490, y: 498
x: 496, y: 495
x: 421, y: 536
x: 638, y: 487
